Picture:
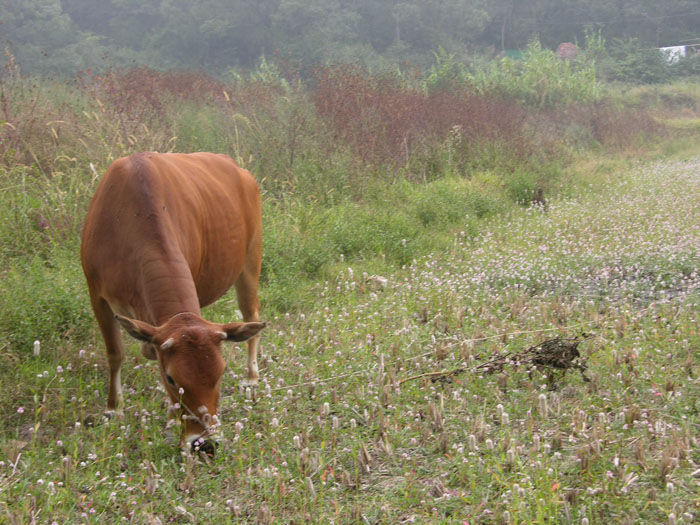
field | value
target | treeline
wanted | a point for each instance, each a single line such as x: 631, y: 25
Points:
x: 64, y: 36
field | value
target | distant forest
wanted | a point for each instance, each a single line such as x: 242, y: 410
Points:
x: 65, y: 36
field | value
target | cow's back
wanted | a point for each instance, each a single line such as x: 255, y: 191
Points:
x: 177, y: 214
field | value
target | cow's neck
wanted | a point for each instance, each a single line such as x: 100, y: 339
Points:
x: 167, y: 289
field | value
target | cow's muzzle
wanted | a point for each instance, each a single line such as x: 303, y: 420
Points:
x: 201, y: 444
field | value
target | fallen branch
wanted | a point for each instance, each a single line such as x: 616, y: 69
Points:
x: 557, y: 353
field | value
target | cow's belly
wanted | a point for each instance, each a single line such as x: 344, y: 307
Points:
x: 218, y: 274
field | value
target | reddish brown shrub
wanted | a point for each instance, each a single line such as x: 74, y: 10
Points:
x: 144, y: 93
x: 605, y: 123
x: 383, y: 120
x: 622, y: 127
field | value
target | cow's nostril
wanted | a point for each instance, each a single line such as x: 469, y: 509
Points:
x: 207, y: 446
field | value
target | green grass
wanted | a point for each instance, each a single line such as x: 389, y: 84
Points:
x: 333, y: 434
x: 329, y: 436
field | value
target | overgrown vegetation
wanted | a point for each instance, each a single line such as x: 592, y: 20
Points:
x: 352, y: 165
x: 457, y: 199
x: 539, y: 79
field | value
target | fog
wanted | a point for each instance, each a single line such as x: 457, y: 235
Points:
x: 54, y: 36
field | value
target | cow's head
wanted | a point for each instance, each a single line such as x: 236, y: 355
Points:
x: 188, y: 350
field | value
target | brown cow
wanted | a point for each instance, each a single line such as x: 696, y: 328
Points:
x: 166, y: 234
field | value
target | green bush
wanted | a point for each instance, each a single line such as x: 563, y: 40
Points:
x: 540, y: 79
x: 447, y: 73
x: 22, y: 226
x: 448, y: 201
x: 41, y: 281
x: 687, y: 66
x: 635, y: 62
x: 44, y: 300
x: 522, y: 186
x: 201, y: 127
x: 377, y: 229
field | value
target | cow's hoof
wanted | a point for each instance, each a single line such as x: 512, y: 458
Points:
x: 93, y: 420
x: 253, y: 383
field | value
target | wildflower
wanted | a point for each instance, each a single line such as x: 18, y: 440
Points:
x: 20, y: 410
x: 310, y: 487
x: 542, y: 405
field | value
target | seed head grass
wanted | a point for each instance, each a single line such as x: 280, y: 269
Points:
x: 329, y: 435
x: 395, y: 247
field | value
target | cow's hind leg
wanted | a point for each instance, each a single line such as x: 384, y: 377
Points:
x: 248, y: 302
x: 115, y: 352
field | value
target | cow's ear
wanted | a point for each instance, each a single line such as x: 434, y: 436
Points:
x: 240, y: 331
x: 137, y: 329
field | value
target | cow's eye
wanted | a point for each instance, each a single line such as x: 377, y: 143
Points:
x: 169, y: 379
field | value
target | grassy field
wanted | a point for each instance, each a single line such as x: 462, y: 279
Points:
x: 396, y: 383
x: 334, y: 435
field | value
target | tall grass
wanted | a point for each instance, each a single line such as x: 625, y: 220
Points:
x: 352, y: 166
